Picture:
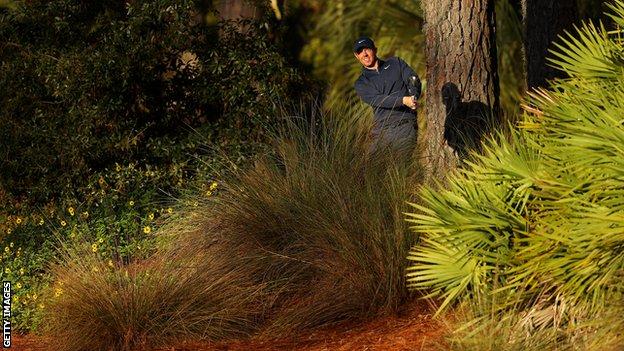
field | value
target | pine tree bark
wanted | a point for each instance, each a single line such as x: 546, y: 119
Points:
x: 462, y: 79
x: 543, y: 21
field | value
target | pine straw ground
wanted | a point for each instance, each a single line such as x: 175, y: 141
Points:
x: 412, y: 329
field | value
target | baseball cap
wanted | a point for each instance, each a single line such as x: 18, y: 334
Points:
x: 363, y: 42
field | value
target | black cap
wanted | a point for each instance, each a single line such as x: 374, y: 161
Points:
x: 363, y: 42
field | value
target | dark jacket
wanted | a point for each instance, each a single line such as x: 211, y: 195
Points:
x: 384, y: 90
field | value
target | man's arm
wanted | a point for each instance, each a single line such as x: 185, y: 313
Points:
x: 369, y: 95
x: 406, y: 73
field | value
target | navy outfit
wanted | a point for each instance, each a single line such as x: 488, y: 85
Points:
x: 383, y: 89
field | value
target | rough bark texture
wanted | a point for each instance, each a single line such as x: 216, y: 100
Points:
x: 543, y: 21
x: 462, y: 79
x: 236, y: 9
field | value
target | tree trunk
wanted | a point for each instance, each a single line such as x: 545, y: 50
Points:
x: 543, y: 21
x: 237, y: 9
x: 462, y: 80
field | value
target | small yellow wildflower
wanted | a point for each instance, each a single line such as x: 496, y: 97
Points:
x: 147, y: 229
x: 11, y: 244
x: 85, y: 215
x: 94, y: 247
x: 34, y: 297
x: 101, y: 180
x: 117, y: 167
x: 100, y: 240
x: 213, y: 186
x: 18, y: 220
x: 151, y: 216
x: 208, y: 193
x: 41, y: 221
x: 22, y: 271
x: 58, y: 292
x: 170, y: 210
x: 131, y: 203
x: 95, y: 269
x: 63, y: 223
x: 110, y: 263
x: 41, y: 306
x: 16, y: 299
x: 195, y: 203
x: 6, y: 249
x: 7, y: 270
x: 18, y: 285
x: 71, y: 211
x: 9, y: 231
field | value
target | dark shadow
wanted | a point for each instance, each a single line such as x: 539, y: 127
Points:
x: 467, y: 123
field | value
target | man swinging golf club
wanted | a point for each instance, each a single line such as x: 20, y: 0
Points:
x: 391, y: 88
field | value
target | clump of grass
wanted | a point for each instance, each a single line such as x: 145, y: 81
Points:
x: 183, y: 293
x: 324, y: 214
x: 311, y: 234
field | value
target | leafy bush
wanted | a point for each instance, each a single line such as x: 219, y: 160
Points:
x: 128, y: 82
x: 540, y: 212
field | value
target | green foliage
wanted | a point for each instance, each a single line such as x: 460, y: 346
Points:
x: 539, y: 213
x: 128, y: 83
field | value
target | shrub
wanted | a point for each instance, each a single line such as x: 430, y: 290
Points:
x: 130, y: 82
x: 186, y: 292
x: 539, y: 213
x: 314, y: 229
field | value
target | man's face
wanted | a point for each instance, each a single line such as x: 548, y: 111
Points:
x: 367, y: 57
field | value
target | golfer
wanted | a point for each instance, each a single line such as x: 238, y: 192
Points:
x: 391, y: 88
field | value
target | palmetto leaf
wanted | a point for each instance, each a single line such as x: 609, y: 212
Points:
x: 543, y: 208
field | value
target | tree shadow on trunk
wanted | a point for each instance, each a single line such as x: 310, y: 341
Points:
x: 467, y: 124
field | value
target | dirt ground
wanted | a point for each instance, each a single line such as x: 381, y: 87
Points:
x: 413, y: 329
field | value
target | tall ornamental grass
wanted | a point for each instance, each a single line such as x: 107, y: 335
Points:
x: 541, y: 211
x: 311, y: 234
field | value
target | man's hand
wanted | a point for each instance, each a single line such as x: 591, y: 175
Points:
x: 410, y: 102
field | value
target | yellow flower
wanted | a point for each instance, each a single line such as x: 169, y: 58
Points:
x: 11, y: 244
x: 41, y: 306
x: 18, y: 285
x: 170, y: 210
x: 18, y: 220
x: 95, y: 269
x: 100, y: 240
x: 213, y: 186
x: 101, y: 180
x: 58, y: 292
x: 9, y: 231
x: 151, y: 216
x: 208, y: 193
x: 117, y: 167
x: 34, y: 297
x: 21, y: 271
x: 63, y: 223
x: 131, y: 203
x: 6, y: 249
x: 195, y: 203
x: 7, y: 270
x: 94, y: 247
x: 85, y: 215
x: 110, y: 263
x: 147, y: 229
x: 16, y: 299
x: 41, y: 221
x: 71, y: 211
